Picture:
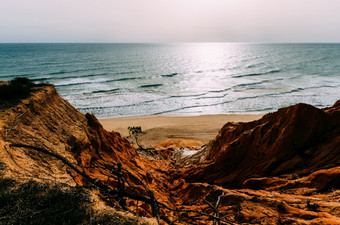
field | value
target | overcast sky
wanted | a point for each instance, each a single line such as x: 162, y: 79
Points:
x: 170, y: 21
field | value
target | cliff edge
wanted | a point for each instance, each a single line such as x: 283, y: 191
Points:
x: 294, y: 140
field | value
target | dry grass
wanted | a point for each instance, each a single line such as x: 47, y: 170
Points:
x: 13, y: 91
x: 40, y: 203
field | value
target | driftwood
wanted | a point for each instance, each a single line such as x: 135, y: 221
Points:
x: 120, y: 193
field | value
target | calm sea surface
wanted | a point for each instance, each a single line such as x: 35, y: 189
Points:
x: 113, y: 80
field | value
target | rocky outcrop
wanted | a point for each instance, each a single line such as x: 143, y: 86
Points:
x: 296, y: 139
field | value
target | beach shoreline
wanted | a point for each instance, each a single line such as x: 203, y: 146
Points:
x: 175, y: 131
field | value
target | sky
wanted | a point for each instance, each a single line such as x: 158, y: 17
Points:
x: 169, y: 21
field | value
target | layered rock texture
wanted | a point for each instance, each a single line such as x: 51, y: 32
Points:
x: 281, y: 169
x: 297, y: 139
x: 47, y: 121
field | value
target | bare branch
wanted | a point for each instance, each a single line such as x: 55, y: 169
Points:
x: 120, y: 193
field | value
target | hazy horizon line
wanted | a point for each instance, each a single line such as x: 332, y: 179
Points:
x: 183, y: 42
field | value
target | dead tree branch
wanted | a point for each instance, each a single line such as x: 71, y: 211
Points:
x: 14, y: 125
x: 198, y: 212
x: 215, y: 208
x: 121, y: 193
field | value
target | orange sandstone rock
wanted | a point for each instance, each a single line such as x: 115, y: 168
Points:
x: 297, y: 139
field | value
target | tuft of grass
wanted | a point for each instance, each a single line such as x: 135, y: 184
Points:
x: 12, y: 92
x: 39, y: 203
x: 17, y: 88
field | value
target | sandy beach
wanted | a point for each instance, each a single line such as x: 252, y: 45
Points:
x: 175, y: 131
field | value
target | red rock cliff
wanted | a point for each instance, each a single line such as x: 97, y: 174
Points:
x: 47, y: 121
x: 299, y: 138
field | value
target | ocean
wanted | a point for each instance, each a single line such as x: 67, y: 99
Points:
x: 118, y: 80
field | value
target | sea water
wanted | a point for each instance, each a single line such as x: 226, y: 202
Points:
x: 114, y: 80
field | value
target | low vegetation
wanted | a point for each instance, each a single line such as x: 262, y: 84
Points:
x: 135, y: 134
x: 40, y: 203
x: 16, y: 88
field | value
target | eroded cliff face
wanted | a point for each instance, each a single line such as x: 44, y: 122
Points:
x: 298, y: 139
x: 283, y: 168
x: 47, y: 121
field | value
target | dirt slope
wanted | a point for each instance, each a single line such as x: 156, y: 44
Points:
x: 48, y: 121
